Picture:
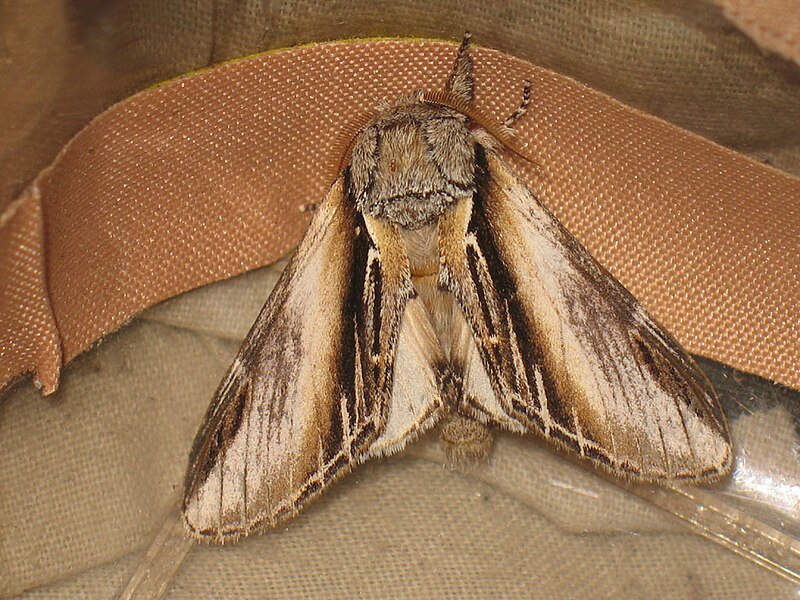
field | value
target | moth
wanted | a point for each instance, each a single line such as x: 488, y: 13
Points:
x: 432, y: 288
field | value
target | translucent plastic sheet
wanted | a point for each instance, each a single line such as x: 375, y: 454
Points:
x: 401, y: 510
x: 755, y: 514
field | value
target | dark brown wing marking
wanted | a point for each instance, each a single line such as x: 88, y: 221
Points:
x: 569, y: 352
x: 309, y: 391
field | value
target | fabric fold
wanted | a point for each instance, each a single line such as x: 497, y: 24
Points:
x: 29, y: 339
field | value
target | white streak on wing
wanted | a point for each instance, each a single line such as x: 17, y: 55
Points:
x: 415, y: 396
x: 233, y: 478
x: 202, y: 509
x: 477, y: 383
x: 360, y: 406
x: 519, y: 366
x: 566, y: 327
x: 547, y: 419
x: 347, y: 434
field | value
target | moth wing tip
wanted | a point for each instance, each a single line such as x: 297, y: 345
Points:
x: 189, y: 513
x: 213, y: 535
x: 712, y: 470
x: 722, y: 466
x: 196, y: 526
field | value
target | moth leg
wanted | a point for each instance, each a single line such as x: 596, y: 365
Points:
x: 308, y: 207
x: 523, y: 106
x: 460, y: 84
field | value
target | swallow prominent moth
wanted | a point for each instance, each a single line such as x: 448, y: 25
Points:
x: 432, y: 288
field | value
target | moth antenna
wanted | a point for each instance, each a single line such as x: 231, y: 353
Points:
x: 460, y: 83
x: 503, y: 134
x: 523, y: 105
x: 344, y: 145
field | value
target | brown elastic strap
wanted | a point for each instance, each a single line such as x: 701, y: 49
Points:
x: 772, y: 24
x: 204, y: 177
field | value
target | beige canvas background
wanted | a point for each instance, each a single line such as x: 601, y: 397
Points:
x: 89, y: 475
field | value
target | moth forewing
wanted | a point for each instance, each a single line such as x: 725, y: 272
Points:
x: 433, y: 286
x: 293, y: 411
x: 604, y: 378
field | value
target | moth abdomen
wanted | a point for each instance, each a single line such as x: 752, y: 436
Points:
x: 466, y: 442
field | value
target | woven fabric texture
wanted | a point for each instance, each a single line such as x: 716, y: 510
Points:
x: 202, y: 178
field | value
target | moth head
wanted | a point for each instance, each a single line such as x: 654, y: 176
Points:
x: 415, y: 158
x: 412, y: 162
